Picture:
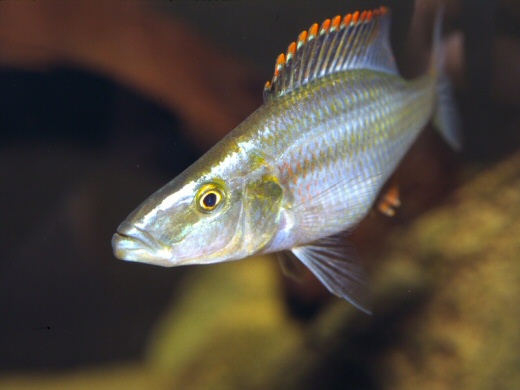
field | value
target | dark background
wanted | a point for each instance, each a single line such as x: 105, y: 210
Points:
x: 82, y: 144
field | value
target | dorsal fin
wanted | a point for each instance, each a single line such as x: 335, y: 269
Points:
x: 358, y: 40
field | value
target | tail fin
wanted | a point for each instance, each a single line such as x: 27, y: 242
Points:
x: 446, y: 117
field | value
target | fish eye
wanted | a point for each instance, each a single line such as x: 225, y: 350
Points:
x: 209, y: 198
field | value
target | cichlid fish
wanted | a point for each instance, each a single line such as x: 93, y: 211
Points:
x: 306, y: 166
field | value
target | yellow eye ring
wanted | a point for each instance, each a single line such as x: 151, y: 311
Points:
x: 209, y: 199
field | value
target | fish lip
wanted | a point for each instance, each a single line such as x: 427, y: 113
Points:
x: 132, y: 243
x: 132, y: 232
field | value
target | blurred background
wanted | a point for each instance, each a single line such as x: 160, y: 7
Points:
x: 101, y: 103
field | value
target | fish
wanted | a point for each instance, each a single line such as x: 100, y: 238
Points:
x: 297, y: 175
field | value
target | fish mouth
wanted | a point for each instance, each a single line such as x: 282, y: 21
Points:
x: 134, y: 244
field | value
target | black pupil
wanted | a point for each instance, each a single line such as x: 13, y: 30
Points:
x: 210, y: 200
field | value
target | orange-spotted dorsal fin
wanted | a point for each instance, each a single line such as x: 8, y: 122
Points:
x: 356, y: 41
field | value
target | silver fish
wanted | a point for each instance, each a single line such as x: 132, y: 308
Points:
x: 306, y: 166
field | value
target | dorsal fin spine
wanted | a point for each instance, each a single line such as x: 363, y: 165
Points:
x: 313, y: 31
x: 368, y: 36
x: 287, y: 67
x: 348, y: 44
x: 341, y: 43
x: 340, y: 54
x: 357, y: 43
x: 328, y: 58
x: 300, y: 48
x: 291, y: 49
x: 335, y: 23
x: 325, y: 26
x: 335, y: 26
x: 347, y: 20
x: 290, y: 57
x: 370, y: 54
x: 267, y: 89
x: 297, y: 60
x: 355, y: 17
x: 307, y: 49
x: 363, y: 32
x: 280, y: 67
x: 302, y: 38
x: 319, y: 48
x: 312, y: 41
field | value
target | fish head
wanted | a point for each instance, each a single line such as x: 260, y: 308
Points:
x: 200, y: 221
x: 188, y: 221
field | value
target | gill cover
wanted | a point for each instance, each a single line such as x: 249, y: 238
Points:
x: 261, y: 204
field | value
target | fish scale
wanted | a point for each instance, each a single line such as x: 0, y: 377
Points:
x: 305, y: 167
x: 352, y: 150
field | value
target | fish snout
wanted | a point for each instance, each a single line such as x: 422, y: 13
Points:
x: 134, y: 244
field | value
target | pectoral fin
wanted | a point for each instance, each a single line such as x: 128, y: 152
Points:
x: 336, y: 265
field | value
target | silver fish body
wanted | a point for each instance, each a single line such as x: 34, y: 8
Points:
x: 303, y: 168
x: 347, y: 132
